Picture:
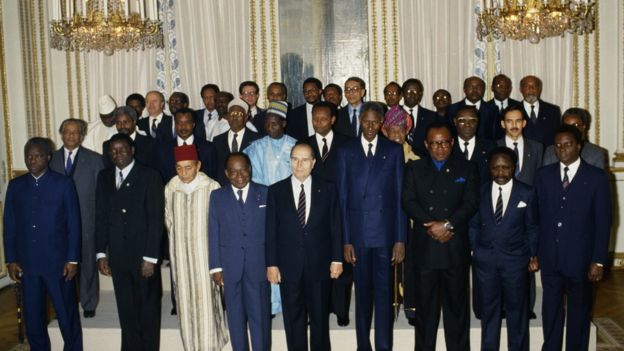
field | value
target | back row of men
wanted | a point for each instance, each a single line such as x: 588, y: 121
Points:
x: 368, y: 174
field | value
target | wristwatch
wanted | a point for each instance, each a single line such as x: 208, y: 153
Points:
x: 448, y: 225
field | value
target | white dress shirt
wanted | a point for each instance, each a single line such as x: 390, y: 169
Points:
x: 471, y: 145
x: 572, y: 169
x: 506, y: 194
x: 328, y: 138
x: 366, y: 142
x: 239, y: 138
x: 309, y: 119
x: 414, y: 113
x: 527, y: 108
x: 157, y: 118
x: 189, y: 141
x: 72, y: 156
x: 509, y: 142
x: 501, y: 104
x: 307, y: 186
x: 477, y: 105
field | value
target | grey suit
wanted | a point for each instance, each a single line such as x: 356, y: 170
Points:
x: 531, y: 159
x: 591, y: 153
x: 86, y: 166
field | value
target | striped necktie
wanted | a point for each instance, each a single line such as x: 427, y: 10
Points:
x: 498, y: 213
x: 301, y: 207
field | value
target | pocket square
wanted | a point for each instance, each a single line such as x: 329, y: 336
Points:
x: 522, y: 204
x: 261, y: 206
x: 460, y: 180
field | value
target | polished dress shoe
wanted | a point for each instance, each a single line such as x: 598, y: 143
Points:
x: 343, y: 321
x: 88, y: 314
x: 174, y: 311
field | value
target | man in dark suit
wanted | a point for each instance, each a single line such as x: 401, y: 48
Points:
x: 237, y: 258
x: 474, y: 89
x: 468, y: 145
x: 299, y: 120
x: 129, y: 230
x: 575, y: 224
x: 421, y: 117
x: 529, y: 152
x: 157, y: 125
x: 234, y: 140
x: 501, y: 87
x: 325, y: 143
x: 250, y: 92
x: 304, y: 242
x: 42, y: 245
x: 177, y: 101
x: 441, y: 194
x: 184, y: 126
x: 348, y: 121
x: 590, y: 152
x: 206, y: 117
x: 144, y: 147
x: 543, y: 118
x: 83, y: 166
x: 369, y: 175
x: 503, y: 239
x: 333, y: 93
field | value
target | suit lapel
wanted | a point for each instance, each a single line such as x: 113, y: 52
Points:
x: 512, y: 203
x: 314, y: 198
x: 76, y: 163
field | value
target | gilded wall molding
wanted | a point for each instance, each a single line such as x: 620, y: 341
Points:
x: 33, y: 48
x: 383, y: 46
x: 44, y: 68
x: 78, y: 85
x: 374, y: 87
x: 5, y: 102
x: 395, y: 40
x: 70, y: 90
x: 27, y: 67
x: 264, y: 44
x: 597, y: 76
x: 252, y: 31
x: 575, y: 67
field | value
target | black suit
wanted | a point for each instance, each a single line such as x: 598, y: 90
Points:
x: 303, y: 254
x: 129, y: 226
x: 343, y: 122
x: 223, y: 149
x: 200, y: 128
x: 166, y: 163
x: 417, y: 136
x: 144, y: 151
x: 479, y: 156
x: 297, y: 123
x: 164, y: 130
x: 543, y: 129
x: 326, y: 169
x: 258, y: 121
x: 429, y: 194
x: 499, y: 130
x: 487, y: 118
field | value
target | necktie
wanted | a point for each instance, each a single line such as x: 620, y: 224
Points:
x: 235, y: 143
x: 466, y: 154
x: 69, y: 164
x: 533, y: 115
x: 325, y: 150
x: 120, y: 180
x: 498, y: 213
x: 369, y: 154
x: 410, y: 137
x: 515, y: 149
x: 566, y: 180
x: 184, y: 143
x: 240, y: 197
x: 301, y: 207
x: 154, y: 127
x: 354, y: 123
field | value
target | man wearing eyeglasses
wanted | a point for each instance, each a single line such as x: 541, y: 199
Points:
x: 250, y: 92
x: 468, y: 145
x: 348, y: 122
x: 441, y: 194
x: 412, y: 91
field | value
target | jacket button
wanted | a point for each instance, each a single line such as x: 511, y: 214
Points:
x: 431, y: 191
x: 123, y: 210
x: 34, y: 226
x: 559, y: 224
x: 430, y: 208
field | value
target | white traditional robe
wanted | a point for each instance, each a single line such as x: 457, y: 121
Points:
x: 202, y: 319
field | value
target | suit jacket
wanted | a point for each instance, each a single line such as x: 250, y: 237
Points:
x: 166, y: 163
x: 236, y: 235
x: 144, y: 151
x: 575, y: 223
x: 499, y: 131
x: 514, y: 239
x: 129, y: 220
x: 222, y: 148
x: 343, y: 123
x: 487, y: 118
x: 294, y: 248
x: 548, y: 120
x: 370, y: 194
x: 86, y: 167
x: 258, y: 121
x: 42, y: 223
x: 424, y: 117
x: 164, y: 131
x: 297, y: 123
x: 452, y: 194
x: 590, y: 153
x: 531, y: 160
x: 326, y: 169
x: 479, y: 156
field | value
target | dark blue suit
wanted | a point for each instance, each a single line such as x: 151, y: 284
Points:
x: 370, y: 204
x: 164, y: 130
x: 575, y: 225
x: 544, y: 127
x: 500, y: 257
x: 487, y: 117
x: 237, y: 245
x: 42, y: 234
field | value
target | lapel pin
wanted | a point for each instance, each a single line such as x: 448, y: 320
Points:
x: 127, y: 184
x: 448, y: 170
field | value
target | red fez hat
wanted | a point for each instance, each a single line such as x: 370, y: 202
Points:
x: 186, y: 153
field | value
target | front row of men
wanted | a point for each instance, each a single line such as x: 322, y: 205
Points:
x: 297, y: 232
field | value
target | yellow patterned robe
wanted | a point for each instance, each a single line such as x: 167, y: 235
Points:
x: 202, y: 319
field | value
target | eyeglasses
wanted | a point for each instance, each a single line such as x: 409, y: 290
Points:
x: 412, y: 91
x: 352, y: 90
x: 463, y: 121
x: 441, y: 97
x: 237, y: 114
x: 391, y: 93
x: 444, y: 144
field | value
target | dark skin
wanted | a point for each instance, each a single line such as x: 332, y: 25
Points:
x: 184, y: 124
x: 577, y: 122
x: 221, y: 104
x: 474, y: 88
x: 136, y: 105
x: 501, y: 88
x: 122, y: 155
x: 125, y: 124
x: 531, y: 89
x: 502, y: 169
x: 238, y: 172
x: 466, y: 123
x: 311, y: 93
x: 439, y: 143
x: 276, y: 92
x: 237, y: 117
x: 441, y: 100
x: 332, y: 95
x: 371, y: 123
x: 392, y: 95
x: 37, y: 160
x: 108, y: 119
x: 177, y: 102
x: 412, y: 94
x: 274, y: 126
x: 322, y: 120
